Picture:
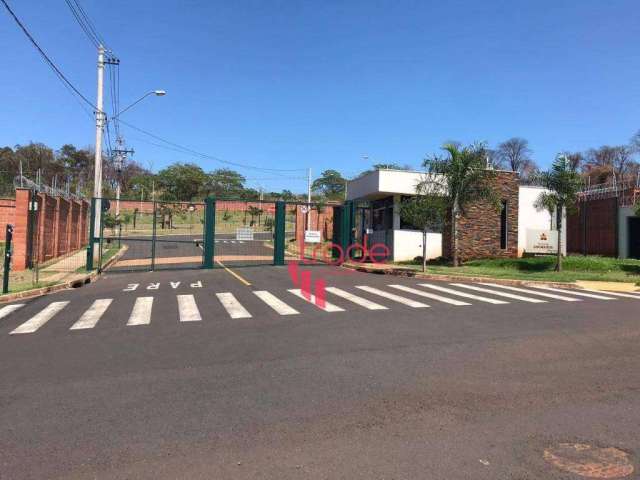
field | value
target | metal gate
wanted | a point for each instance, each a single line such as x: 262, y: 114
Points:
x: 134, y: 235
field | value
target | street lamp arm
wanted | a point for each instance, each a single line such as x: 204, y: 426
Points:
x: 159, y: 93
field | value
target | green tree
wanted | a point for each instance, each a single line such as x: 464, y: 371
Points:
x: 331, y: 185
x: 181, y: 181
x: 224, y: 182
x: 462, y: 178
x: 425, y: 211
x: 254, y: 212
x: 563, y: 184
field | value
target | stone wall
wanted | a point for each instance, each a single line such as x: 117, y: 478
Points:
x: 479, y: 226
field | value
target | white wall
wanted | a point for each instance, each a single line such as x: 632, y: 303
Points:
x: 407, y: 245
x: 530, y: 218
x: 380, y: 183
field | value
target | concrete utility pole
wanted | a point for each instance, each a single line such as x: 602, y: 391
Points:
x: 121, y: 157
x: 100, y: 121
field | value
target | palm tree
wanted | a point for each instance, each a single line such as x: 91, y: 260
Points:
x: 462, y: 178
x: 563, y: 184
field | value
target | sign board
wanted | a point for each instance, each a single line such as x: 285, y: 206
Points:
x: 312, y: 236
x: 244, y: 233
x: 542, y: 241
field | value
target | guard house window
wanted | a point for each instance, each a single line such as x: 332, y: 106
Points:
x: 503, y: 225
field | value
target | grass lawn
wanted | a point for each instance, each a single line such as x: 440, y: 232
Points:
x: 575, y: 267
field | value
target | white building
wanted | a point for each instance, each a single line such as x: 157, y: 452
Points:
x: 378, y: 195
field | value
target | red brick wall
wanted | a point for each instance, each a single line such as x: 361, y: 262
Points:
x: 479, y: 227
x: 322, y: 221
x: 60, y: 227
x: 592, y: 228
x: 7, y: 213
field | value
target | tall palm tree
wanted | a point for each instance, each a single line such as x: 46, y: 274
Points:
x: 563, y: 184
x: 462, y: 177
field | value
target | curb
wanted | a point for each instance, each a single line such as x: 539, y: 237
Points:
x: 409, y: 272
x: 75, y: 283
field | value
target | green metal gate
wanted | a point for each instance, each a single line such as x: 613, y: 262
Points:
x: 134, y: 235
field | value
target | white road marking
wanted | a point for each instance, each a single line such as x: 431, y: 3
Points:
x: 532, y: 292
x: 233, y: 307
x: 574, y: 292
x: 328, y: 307
x: 499, y: 294
x: 616, y: 294
x: 4, y: 311
x: 141, y: 313
x: 432, y: 296
x: 90, y: 318
x: 463, y: 294
x: 393, y: 296
x: 363, y: 302
x: 38, y: 320
x: 274, y: 302
x: 187, y: 309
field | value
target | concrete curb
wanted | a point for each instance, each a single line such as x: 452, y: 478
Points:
x: 409, y: 272
x: 75, y: 283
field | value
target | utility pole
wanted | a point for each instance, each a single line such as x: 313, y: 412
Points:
x: 100, y: 121
x: 309, y: 199
x: 120, y: 153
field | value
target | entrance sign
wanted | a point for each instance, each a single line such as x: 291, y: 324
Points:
x: 244, y: 233
x: 312, y: 236
x: 542, y: 241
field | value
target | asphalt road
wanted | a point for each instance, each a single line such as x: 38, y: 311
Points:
x: 448, y: 391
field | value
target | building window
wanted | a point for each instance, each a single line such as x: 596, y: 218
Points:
x: 503, y: 225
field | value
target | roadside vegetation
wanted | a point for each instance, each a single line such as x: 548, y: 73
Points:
x: 575, y: 267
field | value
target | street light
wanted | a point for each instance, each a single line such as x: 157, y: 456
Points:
x: 157, y: 93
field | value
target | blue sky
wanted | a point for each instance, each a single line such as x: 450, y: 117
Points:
x: 296, y: 84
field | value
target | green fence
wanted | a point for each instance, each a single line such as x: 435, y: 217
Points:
x: 135, y: 235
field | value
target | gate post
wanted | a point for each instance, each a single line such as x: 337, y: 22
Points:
x: 209, y: 231
x: 92, y: 234
x: 279, y: 231
x: 346, y: 226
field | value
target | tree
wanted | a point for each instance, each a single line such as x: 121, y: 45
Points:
x: 461, y: 177
x: 254, y: 212
x: 515, y: 155
x: 224, y: 182
x: 563, y: 184
x: 331, y: 185
x: 604, y: 163
x: 425, y: 211
x: 181, y: 181
x: 635, y: 142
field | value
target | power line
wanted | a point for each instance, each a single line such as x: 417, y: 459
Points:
x: 92, y: 38
x: 90, y: 24
x: 49, y: 62
x: 183, y: 149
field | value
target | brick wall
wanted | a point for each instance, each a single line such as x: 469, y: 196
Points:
x: 593, y: 228
x: 322, y: 221
x: 7, y: 213
x: 60, y: 228
x: 479, y: 227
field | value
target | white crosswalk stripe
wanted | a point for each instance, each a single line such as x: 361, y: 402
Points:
x: 141, y: 313
x: 393, y: 297
x: 464, y: 294
x: 90, y: 318
x: 275, y: 303
x: 615, y: 294
x: 574, y: 292
x: 38, y: 320
x: 187, y: 309
x: 328, y: 307
x: 513, y: 296
x: 363, y: 302
x: 533, y: 292
x: 5, y: 311
x: 233, y: 307
x: 432, y: 296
